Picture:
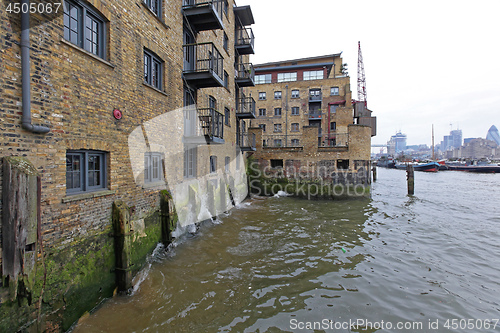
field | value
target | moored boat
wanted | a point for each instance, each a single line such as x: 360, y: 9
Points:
x: 427, y: 167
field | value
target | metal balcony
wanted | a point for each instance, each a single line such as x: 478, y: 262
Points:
x: 314, y: 114
x: 203, y: 65
x: 244, y: 41
x: 246, y: 108
x: 203, y: 126
x: 315, y: 97
x: 204, y: 14
x: 246, y: 141
x: 245, y: 75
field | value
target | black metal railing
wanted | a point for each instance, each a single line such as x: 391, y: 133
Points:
x: 245, y: 71
x: 244, y: 37
x: 246, y: 105
x: 315, y: 114
x: 315, y: 97
x: 246, y: 140
x: 211, y: 122
x: 334, y: 140
x: 203, y: 57
x: 282, y: 140
x: 217, y: 5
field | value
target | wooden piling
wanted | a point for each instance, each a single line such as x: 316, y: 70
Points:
x: 374, y: 171
x: 122, y: 231
x: 410, y: 179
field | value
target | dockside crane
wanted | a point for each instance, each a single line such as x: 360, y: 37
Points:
x: 361, y: 77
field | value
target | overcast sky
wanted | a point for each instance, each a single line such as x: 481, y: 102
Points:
x: 426, y: 62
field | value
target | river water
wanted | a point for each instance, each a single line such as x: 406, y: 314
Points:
x: 392, y: 263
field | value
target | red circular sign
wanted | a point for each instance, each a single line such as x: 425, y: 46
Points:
x: 117, y: 114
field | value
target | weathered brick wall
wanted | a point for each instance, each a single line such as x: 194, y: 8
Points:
x: 74, y: 93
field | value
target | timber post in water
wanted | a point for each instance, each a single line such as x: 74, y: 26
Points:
x: 374, y: 171
x: 411, y: 179
x: 122, y: 231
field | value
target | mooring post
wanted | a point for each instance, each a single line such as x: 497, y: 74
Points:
x: 374, y: 171
x: 168, y: 221
x: 410, y: 179
x: 122, y: 230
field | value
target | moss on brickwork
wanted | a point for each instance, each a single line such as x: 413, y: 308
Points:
x: 71, y: 281
x: 75, y: 280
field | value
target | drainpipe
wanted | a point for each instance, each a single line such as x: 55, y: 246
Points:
x: 26, y: 77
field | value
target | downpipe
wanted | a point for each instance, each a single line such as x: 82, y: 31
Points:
x: 26, y: 77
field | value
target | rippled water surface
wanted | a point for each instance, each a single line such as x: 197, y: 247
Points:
x: 278, y: 264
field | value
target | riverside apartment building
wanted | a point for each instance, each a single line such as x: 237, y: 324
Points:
x: 306, y: 119
x: 106, y: 102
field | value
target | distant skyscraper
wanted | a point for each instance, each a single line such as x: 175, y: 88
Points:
x: 452, y: 141
x: 493, y: 135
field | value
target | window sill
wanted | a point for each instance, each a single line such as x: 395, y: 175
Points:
x: 76, y: 47
x: 89, y: 195
x: 155, y: 89
x: 155, y: 16
x: 154, y: 185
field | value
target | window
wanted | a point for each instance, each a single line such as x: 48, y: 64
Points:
x: 277, y: 95
x: 263, y: 78
x: 227, y: 160
x: 286, y: 77
x: 226, y: 80
x: 295, y: 93
x: 277, y: 112
x: 342, y: 164
x: 262, y: 112
x: 276, y: 163
x: 213, y: 164
x: 152, y: 167
x: 334, y: 91
x: 155, y: 6
x: 278, y: 143
x: 225, y: 42
x: 226, y: 5
x: 295, y: 142
x: 227, y: 115
x: 333, y: 125
x: 295, y: 110
x: 262, y: 95
x: 295, y: 127
x: 153, y: 70
x: 313, y: 75
x: 85, y: 171
x: 84, y: 28
x: 277, y: 127
x: 263, y: 126
x: 190, y: 162
x: 333, y: 108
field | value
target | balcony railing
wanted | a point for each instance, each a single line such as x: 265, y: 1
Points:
x: 315, y: 114
x: 246, y: 141
x: 204, y: 14
x: 203, y: 65
x: 246, y: 108
x: 244, y: 41
x: 212, y: 124
x: 282, y: 140
x: 334, y: 140
x: 317, y: 97
x: 203, y: 126
x: 245, y: 75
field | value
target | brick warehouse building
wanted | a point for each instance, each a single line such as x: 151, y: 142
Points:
x: 120, y: 100
x: 307, y: 121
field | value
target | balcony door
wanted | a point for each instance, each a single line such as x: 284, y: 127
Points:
x: 189, y: 51
x: 190, y: 114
